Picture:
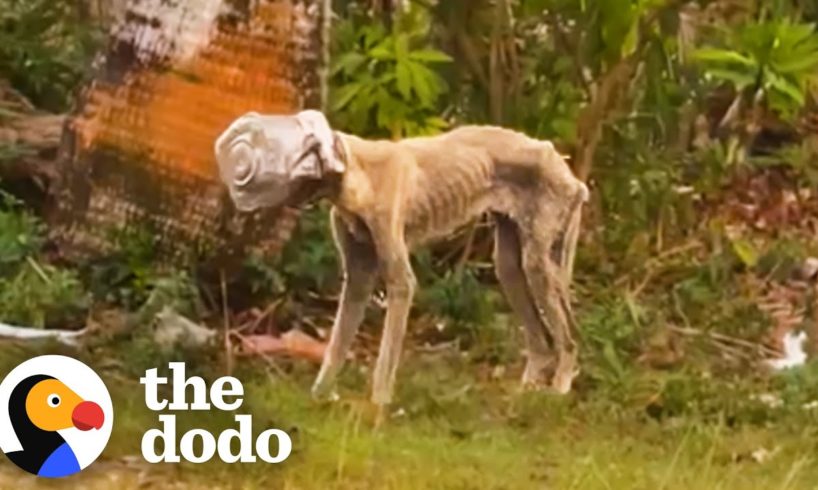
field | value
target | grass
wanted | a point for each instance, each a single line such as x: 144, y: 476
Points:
x: 454, y: 426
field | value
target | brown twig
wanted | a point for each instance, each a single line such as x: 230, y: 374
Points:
x: 653, y: 261
x: 726, y: 339
x: 228, y: 346
x: 264, y: 356
x: 464, y: 257
x: 271, y: 308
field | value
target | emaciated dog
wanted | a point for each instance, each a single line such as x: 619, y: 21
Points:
x: 391, y: 196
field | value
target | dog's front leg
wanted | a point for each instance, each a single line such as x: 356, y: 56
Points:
x: 400, y: 288
x: 360, y: 265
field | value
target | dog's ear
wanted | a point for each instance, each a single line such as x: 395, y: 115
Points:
x: 318, y: 137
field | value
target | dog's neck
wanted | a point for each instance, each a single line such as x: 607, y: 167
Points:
x: 328, y: 184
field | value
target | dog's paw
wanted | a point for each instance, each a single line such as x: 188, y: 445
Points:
x: 323, y: 394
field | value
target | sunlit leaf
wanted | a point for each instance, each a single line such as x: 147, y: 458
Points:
x: 404, y: 80
x: 401, y: 47
x: 745, y: 251
x: 612, y: 358
x: 723, y: 56
x: 430, y: 56
x: 802, y: 63
x: 787, y: 88
x: 382, y: 52
x: 739, y: 79
x: 421, y: 83
x: 344, y: 95
x: 348, y: 63
x: 437, y: 122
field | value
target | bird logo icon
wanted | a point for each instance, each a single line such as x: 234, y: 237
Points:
x: 58, y: 416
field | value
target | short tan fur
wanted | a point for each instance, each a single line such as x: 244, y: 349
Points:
x: 396, y: 195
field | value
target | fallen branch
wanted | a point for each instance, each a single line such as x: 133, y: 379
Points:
x: 656, y: 261
x: 67, y: 337
x: 29, y: 140
x: 293, y: 343
x: 35, y: 131
x: 726, y: 339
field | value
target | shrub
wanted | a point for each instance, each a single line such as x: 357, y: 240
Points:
x: 40, y: 295
x: 44, y: 49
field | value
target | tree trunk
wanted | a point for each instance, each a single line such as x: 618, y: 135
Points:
x: 28, y: 147
x: 605, y: 98
x: 137, y: 153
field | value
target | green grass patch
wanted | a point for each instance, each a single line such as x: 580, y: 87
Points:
x: 453, y: 427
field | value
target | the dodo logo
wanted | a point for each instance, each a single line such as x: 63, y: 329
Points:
x: 55, y: 416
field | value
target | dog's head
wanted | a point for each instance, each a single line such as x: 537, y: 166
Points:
x: 266, y: 160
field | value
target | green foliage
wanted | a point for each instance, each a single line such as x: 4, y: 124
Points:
x: 262, y: 276
x: 800, y: 157
x: 10, y: 152
x: 21, y: 234
x: 777, y: 56
x: 656, y: 189
x: 174, y: 290
x: 309, y: 262
x: 31, y: 293
x: 458, y: 295
x: 386, y: 82
x: 550, y: 99
x: 135, y: 279
x: 797, y: 389
x: 649, y: 196
x: 610, y: 332
x: 40, y: 295
x: 127, y: 276
x: 610, y: 28
x: 44, y: 49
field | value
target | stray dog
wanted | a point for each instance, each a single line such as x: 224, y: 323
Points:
x: 391, y: 196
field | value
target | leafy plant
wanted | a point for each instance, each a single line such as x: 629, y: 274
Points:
x: 776, y: 58
x: 385, y: 80
x: 609, y: 331
x: 13, y: 151
x: 41, y: 295
x: 127, y: 276
x: 262, y: 276
x: 21, y: 233
x: 309, y: 261
x: 458, y: 295
x: 550, y: 99
x: 44, y: 49
x: 33, y: 294
x: 175, y: 290
x: 799, y: 157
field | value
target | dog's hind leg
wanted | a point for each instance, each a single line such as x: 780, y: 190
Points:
x: 509, y: 269
x: 548, y: 282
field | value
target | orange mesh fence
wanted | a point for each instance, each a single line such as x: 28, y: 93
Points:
x: 138, y: 150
